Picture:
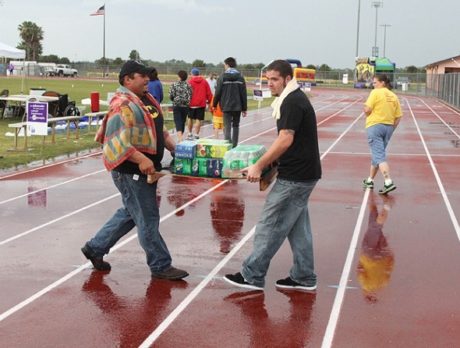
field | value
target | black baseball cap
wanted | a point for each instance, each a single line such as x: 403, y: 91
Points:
x: 132, y: 66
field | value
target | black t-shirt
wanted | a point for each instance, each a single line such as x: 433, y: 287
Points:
x: 133, y: 168
x: 301, y: 161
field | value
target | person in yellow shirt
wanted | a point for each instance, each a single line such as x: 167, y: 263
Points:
x: 383, y: 112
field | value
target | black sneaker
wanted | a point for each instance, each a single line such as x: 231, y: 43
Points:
x: 387, y: 188
x: 288, y: 283
x: 97, y: 261
x: 368, y: 184
x: 238, y: 280
x: 170, y: 273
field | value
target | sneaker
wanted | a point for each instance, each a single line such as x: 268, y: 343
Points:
x: 368, y: 184
x: 238, y: 280
x: 288, y: 283
x: 197, y: 137
x: 170, y: 273
x: 97, y: 261
x: 190, y: 136
x: 387, y: 188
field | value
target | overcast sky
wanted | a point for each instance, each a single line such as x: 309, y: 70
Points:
x: 314, y: 31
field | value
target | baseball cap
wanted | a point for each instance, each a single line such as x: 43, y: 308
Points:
x: 195, y: 72
x: 132, y: 66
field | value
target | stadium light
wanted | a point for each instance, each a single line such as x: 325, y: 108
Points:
x: 385, y: 26
x: 376, y: 4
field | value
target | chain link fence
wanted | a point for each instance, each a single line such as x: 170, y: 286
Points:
x: 445, y: 87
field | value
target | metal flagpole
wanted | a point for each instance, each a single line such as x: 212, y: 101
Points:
x: 103, y: 47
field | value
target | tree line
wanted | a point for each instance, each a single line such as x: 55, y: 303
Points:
x: 32, y: 36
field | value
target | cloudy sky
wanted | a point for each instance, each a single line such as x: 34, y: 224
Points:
x: 314, y: 31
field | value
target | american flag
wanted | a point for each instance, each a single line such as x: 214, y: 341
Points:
x: 99, y: 12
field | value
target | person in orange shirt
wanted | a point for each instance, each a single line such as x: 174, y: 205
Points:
x: 217, y: 118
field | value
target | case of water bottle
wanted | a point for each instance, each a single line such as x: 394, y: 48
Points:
x: 240, y: 157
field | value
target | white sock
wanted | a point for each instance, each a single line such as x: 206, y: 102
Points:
x: 388, y: 182
x: 369, y: 179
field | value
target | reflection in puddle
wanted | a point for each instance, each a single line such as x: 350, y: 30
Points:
x: 266, y: 330
x: 376, y: 259
x: 36, y: 197
x: 227, y: 215
x: 128, y: 319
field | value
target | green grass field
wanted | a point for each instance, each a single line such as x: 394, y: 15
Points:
x: 40, y: 149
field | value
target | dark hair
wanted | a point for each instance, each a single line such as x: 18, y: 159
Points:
x: 384, y: 78
x: 282, y: 66
x: 231, y: 62
x: 182, y: 74
x: 153, y: 74
x: 122, y: 78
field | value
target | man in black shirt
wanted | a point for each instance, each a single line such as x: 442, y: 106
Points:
x: 285, y: 214
x: 134, y: 139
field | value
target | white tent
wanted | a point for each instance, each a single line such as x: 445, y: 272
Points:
x: 11, y: 52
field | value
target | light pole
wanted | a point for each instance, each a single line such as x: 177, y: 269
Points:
x: 357, y: 29
x: 385, y: 26
x: 375, y: 49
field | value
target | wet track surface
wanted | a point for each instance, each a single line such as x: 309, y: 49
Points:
x: 387, y: 267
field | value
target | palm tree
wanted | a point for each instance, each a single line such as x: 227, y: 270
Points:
x: 31, y: 35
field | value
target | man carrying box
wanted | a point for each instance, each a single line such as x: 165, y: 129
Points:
x: 285, y: 213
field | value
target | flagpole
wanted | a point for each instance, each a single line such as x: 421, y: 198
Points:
x: 103, y: 40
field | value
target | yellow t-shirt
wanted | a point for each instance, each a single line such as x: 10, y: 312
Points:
x: 385, y: 107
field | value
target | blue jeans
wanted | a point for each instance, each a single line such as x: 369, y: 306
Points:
x: 139, y: 209
x: 378, y: 137
x: 285, y: 214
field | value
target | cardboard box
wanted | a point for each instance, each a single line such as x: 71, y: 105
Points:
x: 186, y: 149
x: 212, y: 148
x: 199, y: 167
x: 183, y: 166
x: 207, y: 167
x: 214, y: 167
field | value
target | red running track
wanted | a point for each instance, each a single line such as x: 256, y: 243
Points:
x: 395, y: 286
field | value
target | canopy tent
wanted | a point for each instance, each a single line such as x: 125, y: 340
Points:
x: 384, y: 64
x: 11, y: 52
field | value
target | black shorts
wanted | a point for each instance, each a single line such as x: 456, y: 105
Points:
x: 180, y: 115
x: 196, y: 113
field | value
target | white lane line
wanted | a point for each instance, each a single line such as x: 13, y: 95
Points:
x: 435, y: 113
x: 345, y: 153
x: 438, y: 178
x: 116, y: 247
x: 44, y: 291
x: 68, y: 276
x: 443, y: 103
x: 49, y: 165
x: 36, y: 228
x: 340, y: 294
x: 52, y: 186
x: 196, y: 291
x: 246, y: 124
x: 98, y: 202
x: 342, y: 135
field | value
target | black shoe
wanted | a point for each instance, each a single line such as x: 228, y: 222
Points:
x: 97, y: 261
x: 368, y: 184
x: 288, y: 283
x: 170, y: 273
x: 238, y: 280
x: 387, y: 188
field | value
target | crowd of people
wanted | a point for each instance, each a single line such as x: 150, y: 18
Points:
x: 225, y: 97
